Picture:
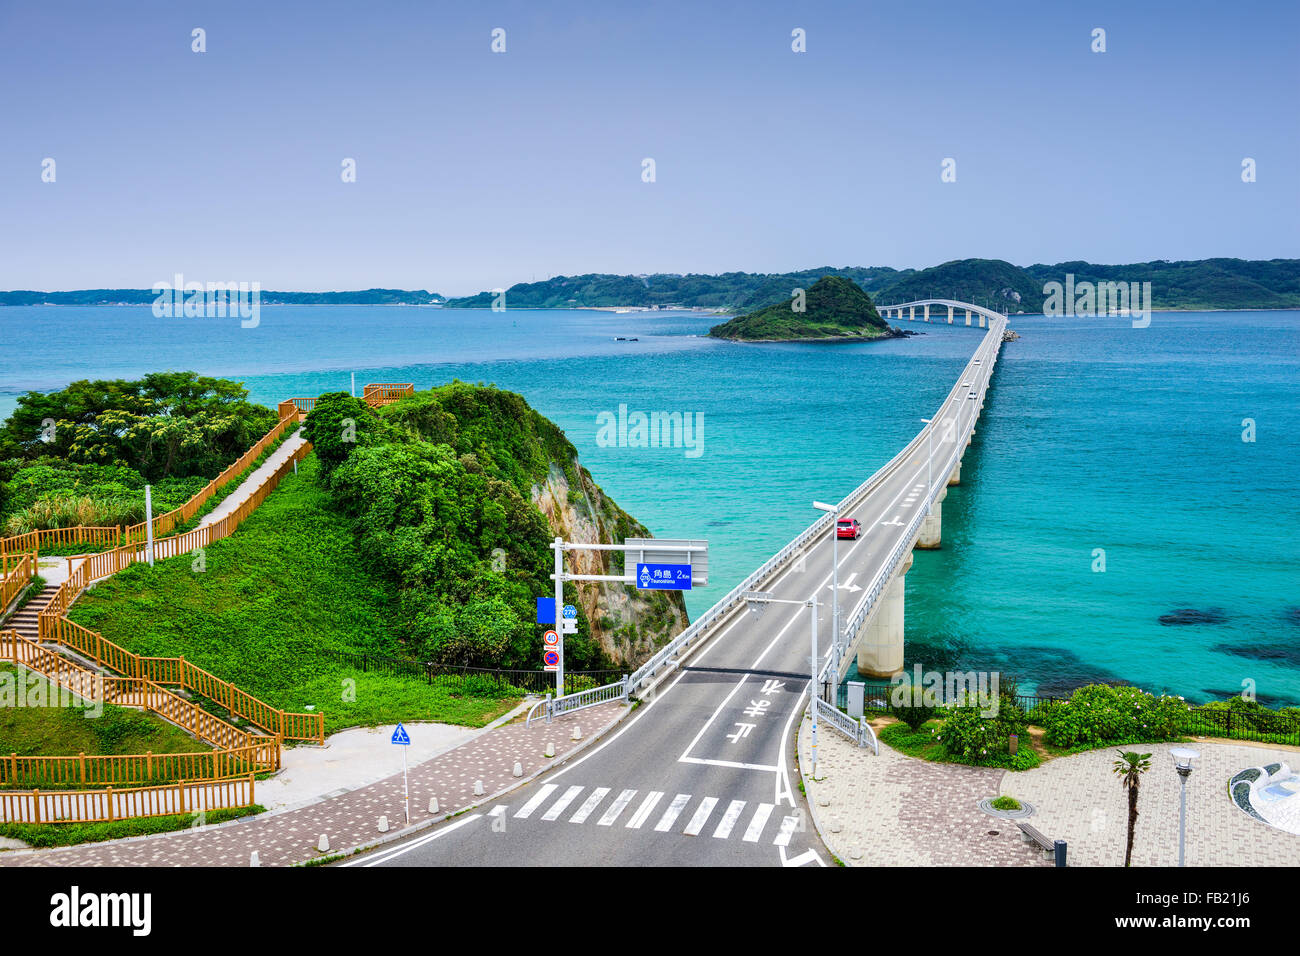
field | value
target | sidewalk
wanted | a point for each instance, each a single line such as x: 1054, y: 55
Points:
x: 250, y: 484
x: 350, y: 819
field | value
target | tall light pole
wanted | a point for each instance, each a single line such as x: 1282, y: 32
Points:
x: 929, y: 449
x: 1183, y: 758
x: 834, y: 510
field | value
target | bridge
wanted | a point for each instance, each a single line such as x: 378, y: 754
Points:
x: 707, y: 753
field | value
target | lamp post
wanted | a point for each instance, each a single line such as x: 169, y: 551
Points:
x: 755, y: 601
x: 833, y: 510
x: 1183, y: 758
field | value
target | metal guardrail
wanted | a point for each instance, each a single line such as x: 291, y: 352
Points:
x: 858, y: 731
x: 556, y: 706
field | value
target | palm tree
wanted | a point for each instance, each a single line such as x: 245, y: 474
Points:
x: 1129, y: 767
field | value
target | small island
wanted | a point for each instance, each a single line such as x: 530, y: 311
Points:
x: 834, y: 309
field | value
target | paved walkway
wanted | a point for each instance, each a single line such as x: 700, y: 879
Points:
x: 254, y: 480
x: 350, y: 819
x: 894, y: 810
x: 1080, y: 801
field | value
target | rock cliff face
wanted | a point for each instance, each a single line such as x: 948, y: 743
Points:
x: 628, y: 623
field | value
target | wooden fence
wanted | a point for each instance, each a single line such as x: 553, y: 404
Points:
x: 376, y: 395
x: 111, y: 803
x: 99, y: 770
x: 16, y: 570
x: 139, y: 691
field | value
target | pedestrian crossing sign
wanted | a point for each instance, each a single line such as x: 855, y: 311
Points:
x: 400, y: 736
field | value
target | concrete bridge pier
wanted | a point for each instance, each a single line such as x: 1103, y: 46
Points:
x: 955, y: 477
x: 981, y: 320
x: 950, y: 315
x: 927, y: 312
x: 911, y: 313
x: 880, y: 654
x: 931, y: 533
x: 968, y: 317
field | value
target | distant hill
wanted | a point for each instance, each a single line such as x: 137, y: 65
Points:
x: 992, y: 282
x: 147, y: 296
x: 1197, y: 284
x: 740, y: 291
x: 834, y: 308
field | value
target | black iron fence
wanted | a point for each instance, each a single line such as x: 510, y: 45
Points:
x: 473, y: 680
x: 1261, y: 725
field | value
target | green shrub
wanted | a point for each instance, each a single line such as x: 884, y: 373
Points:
x: 1005, y: 803
x: 907, y: 703
x: 971, y: 734
x: 1100, y: 714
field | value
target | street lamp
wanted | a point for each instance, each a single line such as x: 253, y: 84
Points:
x: 1183, y: 758
x: 835, y: 574
x: 756, y: 601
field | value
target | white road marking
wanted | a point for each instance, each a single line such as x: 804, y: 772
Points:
x: 701, y: 816
x: 674, y: 810
x: 729, y: 820
x: 756, y: 824
x: 407, y: 848
x: 734, y: 765
x: 538, y: 798
x: 788, y: 825
x: 616, y: 808
x: 562, y: 804
x: 589, y: 805
x: 643, y: 812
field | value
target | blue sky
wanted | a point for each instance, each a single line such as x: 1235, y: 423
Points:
x: 477, y: 170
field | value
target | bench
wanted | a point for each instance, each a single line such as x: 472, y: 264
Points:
x: 1031, y: 835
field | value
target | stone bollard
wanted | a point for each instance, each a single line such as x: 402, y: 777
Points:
x: 518, y: 771
x: 577, y: 733
x: 835, y: 826
x: 823, y: 800
x: 433, y: 804
x: 254, y: 859
x: 855, y: 853
x: 478, y: 788
x: 323, y: 844
x: 550, y: 750
x: 383, y: 824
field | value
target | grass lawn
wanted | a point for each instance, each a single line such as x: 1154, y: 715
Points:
x: 45, y: 835
x: 286, y: 586
x: 36, y: 731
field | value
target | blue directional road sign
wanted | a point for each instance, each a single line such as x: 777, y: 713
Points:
x: 546, y: 610
x: 663, y: 577
x: 400, y: 737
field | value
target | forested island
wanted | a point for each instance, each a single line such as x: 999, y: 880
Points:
x: 833, y: 309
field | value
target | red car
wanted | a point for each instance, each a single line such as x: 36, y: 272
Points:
x: 848, y: 528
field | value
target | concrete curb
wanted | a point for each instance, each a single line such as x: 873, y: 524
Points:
x: 808, y: 796
x: 415, y: 828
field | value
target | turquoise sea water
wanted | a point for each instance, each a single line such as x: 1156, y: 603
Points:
x: 1095, y: 435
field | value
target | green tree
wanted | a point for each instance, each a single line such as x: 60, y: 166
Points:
x: 1129, y: 768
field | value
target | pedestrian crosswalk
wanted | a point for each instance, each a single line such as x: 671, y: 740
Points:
x: 657, y: 811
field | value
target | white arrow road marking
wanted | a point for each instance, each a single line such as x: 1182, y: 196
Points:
x: 803, y: 859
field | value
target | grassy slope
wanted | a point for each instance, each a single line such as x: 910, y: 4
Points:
x: 283, y: 587
x: 67, y: 731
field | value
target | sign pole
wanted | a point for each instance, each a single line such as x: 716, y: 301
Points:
x: 406, y: 789
x: 559, y: 604
x: 148, y: 520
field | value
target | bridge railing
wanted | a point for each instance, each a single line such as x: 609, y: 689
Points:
x: 556, y: 706
x: 904, y: 545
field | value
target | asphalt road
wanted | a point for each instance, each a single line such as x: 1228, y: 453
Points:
x: 701, y: 775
